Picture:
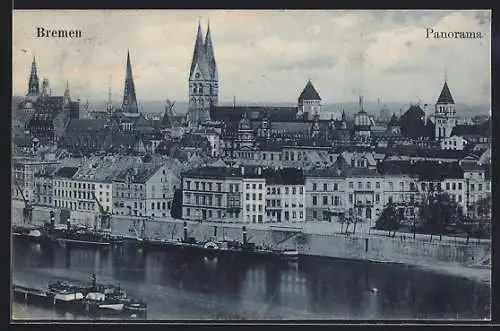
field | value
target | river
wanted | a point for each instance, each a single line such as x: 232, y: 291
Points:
x: 199, y: 289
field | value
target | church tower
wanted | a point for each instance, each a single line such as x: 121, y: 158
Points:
x: 445, y: 117
x: 203, y: 80
x: 33, y: 84
x: 67, y: 96
x: 129, y: 104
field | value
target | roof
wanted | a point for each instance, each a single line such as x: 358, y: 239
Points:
x: 285, y: 176
x: 325, y: 172
x: 394, y: 120
x: 424, y: 170
x: 66, y: 172
x: 86, y: 125
x: 255, y: 113
x: 138, y: 174
x: 445, y: 96
x: 309, y: 93
x: 471, y: 166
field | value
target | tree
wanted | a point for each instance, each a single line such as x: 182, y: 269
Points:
x: 176, y: 210
x: 388, y: 219
x: 438, y: 212
x: 342, y: 220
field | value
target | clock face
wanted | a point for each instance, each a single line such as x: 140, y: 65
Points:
x: 197, y: 75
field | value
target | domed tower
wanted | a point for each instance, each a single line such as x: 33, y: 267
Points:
x: 445, y: 117
x: 245, y: 137
x: 309, y: 103
x: 362, y: 124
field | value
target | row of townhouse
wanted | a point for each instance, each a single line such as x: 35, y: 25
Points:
x: 23, y: 174
x: 256, y: 195
x: 137, y: 190
x: 245, y: 194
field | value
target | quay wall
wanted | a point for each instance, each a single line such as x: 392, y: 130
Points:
x: 360, y: 246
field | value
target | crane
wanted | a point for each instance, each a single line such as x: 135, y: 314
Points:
x: 28, y: 208
x: 105, y: 216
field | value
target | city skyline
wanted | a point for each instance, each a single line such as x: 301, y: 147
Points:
x: 258, y: 60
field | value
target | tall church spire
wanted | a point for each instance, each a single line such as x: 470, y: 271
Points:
x: 198, y: 50
x: 33, y: 84
x: 129, y: 98
x: 209, y: 55
x: 67, y: 96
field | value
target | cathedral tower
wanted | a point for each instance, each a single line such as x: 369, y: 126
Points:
x: 203, y: 80
x: 129, y: 104
x: 445, y: 116
x: 33, y: 84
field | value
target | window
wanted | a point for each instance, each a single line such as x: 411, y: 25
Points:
x: 314, y: 186
x: 335, y: 187
x: 336, y: 201
x: 377, y: 197
x: 254, y: 196
x: 480, y: 187
x: 368, y: 185
x: 301, y: 213
x: 197, y: 185
x: 325, y: 187
x: 248, y: 207
x: 301, y: 190
x: 315, y: 200
x: 325, y: 200
x: 158, y: 206
x: 286, y: 190
x: 351, y: 184
x: 447, y: 186
x: 248, y: 196
x: 360, y: 185
x: 152, y: 205
x: 472, y: 187
x: 351, y: 198
x: 260, y: 196
x: 315, y: 214
x: 459, y: 198
x: 248, y: 186
x: 260, y: 186
x: 391, y: 186
x: 188, y: 211
x: 453, y: 186
x: 254, y: 186
x: 210, y: 186
x: 377, y: 185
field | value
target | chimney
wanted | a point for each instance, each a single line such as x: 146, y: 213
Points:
x: 242, y: 170
x: 259, y: 171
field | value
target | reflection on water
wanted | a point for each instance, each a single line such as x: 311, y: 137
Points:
x: 202, y: 288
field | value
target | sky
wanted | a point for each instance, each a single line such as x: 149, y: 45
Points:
x: 262, y: 56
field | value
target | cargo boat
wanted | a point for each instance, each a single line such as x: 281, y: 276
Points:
x: 224, y: 248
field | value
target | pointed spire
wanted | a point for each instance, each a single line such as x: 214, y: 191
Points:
x: 129, y: 97
x: 33, y: 84
x: 361, y: 104
x: 209, y: 54
x: 344, y: 117
x: 67, y: 96
x: 309, y: 92
x: 198, y: 50
x: 445, y: 96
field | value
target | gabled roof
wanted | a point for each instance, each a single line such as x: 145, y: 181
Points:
x: 309, y: 93
x: 67, y: 172
x: 445, y: 96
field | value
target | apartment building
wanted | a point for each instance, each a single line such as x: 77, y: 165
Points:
x: 325, y: 194
x: 144, y: 190
x: 241, y: 195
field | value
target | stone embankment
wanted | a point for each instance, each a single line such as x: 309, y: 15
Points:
x: 449, y: 255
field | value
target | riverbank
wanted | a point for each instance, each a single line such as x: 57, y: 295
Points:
x: 449, y: 255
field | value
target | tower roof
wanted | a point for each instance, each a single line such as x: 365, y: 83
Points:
x: 445, y: 96
x: 208, y: 50
x: 198, y: 54
x: 394, y: 120
x: 129, y: 98
x: 309, y: 92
